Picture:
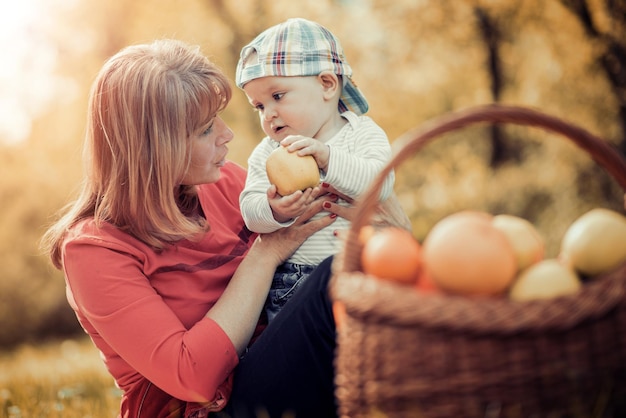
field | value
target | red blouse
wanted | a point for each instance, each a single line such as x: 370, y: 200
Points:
x: 145, y: 310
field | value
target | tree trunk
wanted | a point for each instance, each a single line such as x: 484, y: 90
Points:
x: 612, y: 57
x: 491, y: 37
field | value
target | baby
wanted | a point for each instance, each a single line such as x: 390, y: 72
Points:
x: 295, y: 74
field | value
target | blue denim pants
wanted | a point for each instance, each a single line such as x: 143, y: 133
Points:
x: 287, y: 279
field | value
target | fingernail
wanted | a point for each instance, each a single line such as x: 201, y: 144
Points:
x: 325, y: 185
x: 333, y: 196
x: 326, y: 205
x: 335, y: 233
x: 333, y: 215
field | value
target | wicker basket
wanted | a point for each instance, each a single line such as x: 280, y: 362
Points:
x: 405, y: 354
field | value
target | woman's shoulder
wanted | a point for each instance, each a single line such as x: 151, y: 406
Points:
x: 88, y: 232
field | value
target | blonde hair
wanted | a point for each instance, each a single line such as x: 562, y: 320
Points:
x: 145, y: 105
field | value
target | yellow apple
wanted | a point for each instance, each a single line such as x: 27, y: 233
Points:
x: 546, y: 279
x: 527, y: 244
x: 595, y: 243
x: 291, y: 172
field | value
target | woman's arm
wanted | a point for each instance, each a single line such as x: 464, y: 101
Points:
x: 242, y: 301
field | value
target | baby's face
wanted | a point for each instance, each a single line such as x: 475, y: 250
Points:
x: 291, y: 105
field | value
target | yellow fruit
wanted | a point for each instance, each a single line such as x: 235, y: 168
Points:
x: 291, y: 172
x: 465, y: 254
x: 545, y: 280
x: 525, y: 240
x: 595, y: 243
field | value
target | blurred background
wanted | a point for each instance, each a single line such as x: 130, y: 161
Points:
x: 413, y: 59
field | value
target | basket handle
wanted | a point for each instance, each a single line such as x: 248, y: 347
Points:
x: 407, y: 144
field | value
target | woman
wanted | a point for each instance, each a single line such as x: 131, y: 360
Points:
x: 159, y: 267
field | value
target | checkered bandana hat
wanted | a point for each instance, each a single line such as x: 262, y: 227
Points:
x: 298, y: 47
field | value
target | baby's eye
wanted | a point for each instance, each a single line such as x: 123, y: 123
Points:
x: 259, y: 108
x: 277, y: 96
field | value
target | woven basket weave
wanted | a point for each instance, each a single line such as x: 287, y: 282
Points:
x: 405, y: 354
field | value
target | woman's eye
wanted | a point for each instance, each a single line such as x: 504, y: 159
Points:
x: 208, y: 130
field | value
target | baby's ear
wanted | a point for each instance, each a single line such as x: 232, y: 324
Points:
x: 330, y: 82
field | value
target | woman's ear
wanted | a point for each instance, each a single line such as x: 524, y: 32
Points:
x: 330, y: 83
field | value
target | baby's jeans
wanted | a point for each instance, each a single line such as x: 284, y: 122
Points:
x: 287, y: 279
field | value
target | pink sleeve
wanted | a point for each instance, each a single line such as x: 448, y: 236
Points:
x: 116, y: 299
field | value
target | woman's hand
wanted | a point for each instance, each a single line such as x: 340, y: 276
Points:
x: 387, y: 213
x: 281, y: 244
x: 329, y: 195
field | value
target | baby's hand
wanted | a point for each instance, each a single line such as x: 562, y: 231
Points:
x: 289, y: 207
x: 304, y: 145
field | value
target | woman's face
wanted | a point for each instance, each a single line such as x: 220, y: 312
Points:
x: 208, y: 153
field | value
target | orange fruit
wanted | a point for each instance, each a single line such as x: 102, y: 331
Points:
x: 465, y: 254
x: 392, y: 254
x: 425, y: 283
x: 366, y: 233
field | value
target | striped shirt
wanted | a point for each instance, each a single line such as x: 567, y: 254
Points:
x: 358, y: 152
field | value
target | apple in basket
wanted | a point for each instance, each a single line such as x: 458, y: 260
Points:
x: 545, y: 280
x: 290, y: 172
x: 595, y: 243
x: 391, y: 253
x: 528, y: 245
x: 464, y: 253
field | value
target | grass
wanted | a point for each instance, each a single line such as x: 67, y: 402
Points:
x: 56, y: 379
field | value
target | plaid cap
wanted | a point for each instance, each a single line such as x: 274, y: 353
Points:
x: 299, y: 47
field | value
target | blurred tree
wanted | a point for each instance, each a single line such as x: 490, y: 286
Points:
x: 243, y: 30
x: 41, y: 173
x: 414, y: 60
x: 605, y: 24
x: 491, y: 35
